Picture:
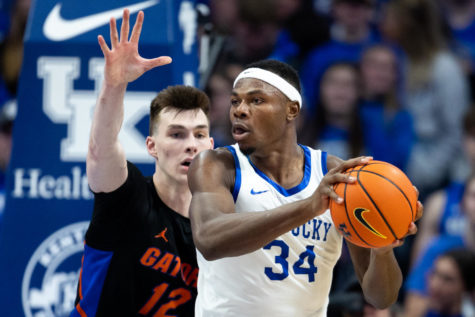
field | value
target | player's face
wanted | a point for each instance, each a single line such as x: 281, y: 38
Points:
x: 180, y: 136
x: 257, y: 113
x: 445, y: 284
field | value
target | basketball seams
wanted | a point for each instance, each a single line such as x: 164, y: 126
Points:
x: 395, y: 185
x: 380, y: 170
x: 374, y: 203
x: 349, y: 218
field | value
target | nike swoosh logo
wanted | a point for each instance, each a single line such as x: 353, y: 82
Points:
x: 58, y: 29
x: 359, y: 215
x: 258, y: 192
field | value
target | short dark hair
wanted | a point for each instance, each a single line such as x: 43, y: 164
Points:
x: 179, y: 97
x: 284, y: 70
x: 465, y: 261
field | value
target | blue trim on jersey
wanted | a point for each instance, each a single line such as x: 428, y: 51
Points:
x: 299, y: 187
x: 324, y: 163
x: 237, y: 181
x: 93, y: 274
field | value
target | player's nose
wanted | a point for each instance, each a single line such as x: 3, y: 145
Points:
x: 191, y: 145
x: 241, y: 110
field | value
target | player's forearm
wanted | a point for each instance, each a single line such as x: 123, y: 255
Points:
x: 234, y: 234
x: 382, y: 280
x: 107, y: 120
x: 106, y: 163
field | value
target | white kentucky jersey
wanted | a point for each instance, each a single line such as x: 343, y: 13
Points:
x: 290, y: 276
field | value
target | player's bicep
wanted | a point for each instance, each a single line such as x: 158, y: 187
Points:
x: 211, y: 178
x: 106, y: 173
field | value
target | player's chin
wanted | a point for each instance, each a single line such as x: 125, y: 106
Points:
x: 182, y: 172
x: 246, y: 149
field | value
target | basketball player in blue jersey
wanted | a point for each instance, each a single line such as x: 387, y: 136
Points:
x: 139, y: 256
x: 259, y: 213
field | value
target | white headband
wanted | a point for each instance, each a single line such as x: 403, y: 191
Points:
x: 272, y: 79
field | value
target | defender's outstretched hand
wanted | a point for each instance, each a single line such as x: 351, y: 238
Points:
x: 123, y: 61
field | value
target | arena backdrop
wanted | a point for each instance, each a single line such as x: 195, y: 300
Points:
x: 49, y: 204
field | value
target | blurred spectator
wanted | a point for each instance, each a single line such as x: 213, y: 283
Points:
x: 388, y: 128
x: 435, y: 86
x: 253, y: 34
x: 443, y: 214
x: 350, y: 33
x: 224, y: 15
x: 302, y: 30
x: 11, y: 51
x: 7, y: 116
x: 336, y: 127
x: 241, y: 33
x: 450, y: 284
x: 219, y: 90
x: 416, y: 298
x: 350, y: 302
x: 460, y: 16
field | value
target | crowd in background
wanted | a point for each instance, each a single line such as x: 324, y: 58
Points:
x: 389, y: 78
x: 394, y: 79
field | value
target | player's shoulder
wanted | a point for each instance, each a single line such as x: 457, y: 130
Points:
x: 333, y: 161
x: 218, y: 161
x: 216, y: 157
x: 212, y: 168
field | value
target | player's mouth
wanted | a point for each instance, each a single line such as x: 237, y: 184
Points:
x: 186, y: 163
x: 240, y: 131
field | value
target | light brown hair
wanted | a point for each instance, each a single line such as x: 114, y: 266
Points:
x: 178, y: 97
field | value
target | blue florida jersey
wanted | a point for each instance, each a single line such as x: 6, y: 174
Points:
x: 291, y: 276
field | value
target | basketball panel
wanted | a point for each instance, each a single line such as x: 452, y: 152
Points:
x: 365, y: 219
x: 398, y: 178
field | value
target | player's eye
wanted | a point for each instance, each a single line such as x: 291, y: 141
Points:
x: 257, y: 101
x: 176, y: 135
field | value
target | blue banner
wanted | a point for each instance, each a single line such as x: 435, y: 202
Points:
x: 48, y: 202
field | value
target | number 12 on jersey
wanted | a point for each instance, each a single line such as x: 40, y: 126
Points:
x: 304, y: 265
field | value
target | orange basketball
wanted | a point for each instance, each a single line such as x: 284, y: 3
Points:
x: 378, y: 208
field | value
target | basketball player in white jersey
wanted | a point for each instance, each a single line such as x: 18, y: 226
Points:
x: 260, y: 220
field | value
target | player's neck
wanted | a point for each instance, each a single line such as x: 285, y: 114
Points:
x: 284, y: 164
x: 175, y: 195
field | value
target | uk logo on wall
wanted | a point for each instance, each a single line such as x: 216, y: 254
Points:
x: 48, y: 202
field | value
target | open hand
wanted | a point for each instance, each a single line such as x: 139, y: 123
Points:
x: 325, y: 190
x: 123, y: 61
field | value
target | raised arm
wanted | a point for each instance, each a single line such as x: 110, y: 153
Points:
x: 218, y: 231
x: 106, y: 163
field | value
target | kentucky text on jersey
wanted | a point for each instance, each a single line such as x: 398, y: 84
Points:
x: 314, y: 229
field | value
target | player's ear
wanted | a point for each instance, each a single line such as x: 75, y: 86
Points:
x: 211, y: 142
x: 293, y: 110
x: 151, y: 148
